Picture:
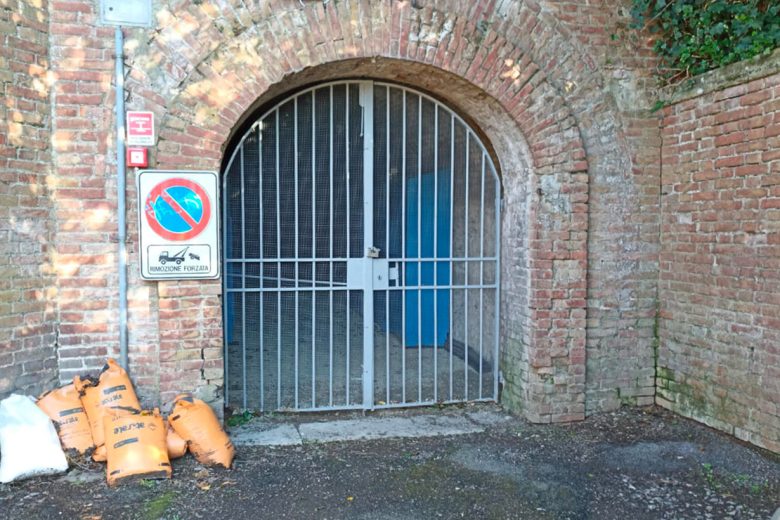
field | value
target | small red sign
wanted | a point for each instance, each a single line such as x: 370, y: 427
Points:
x: 137, y: 157
x: 140, y: 128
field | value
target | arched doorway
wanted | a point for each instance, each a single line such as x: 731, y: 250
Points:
x: 361, y: 249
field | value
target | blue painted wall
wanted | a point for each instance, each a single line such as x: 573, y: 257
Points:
x: 420, y: 223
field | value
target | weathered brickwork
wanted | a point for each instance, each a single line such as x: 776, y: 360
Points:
x: 545, y: 351
x: 85, y: 225
x: 595, y: 188
x: 719, y: 293
x: 84, y: 195
x: 28, y: 360
x: 624, y: 216
x: 579, y: 199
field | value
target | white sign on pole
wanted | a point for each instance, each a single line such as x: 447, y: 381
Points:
x: 136, y: 13
x: 178, y: 213
x: 140, y: 128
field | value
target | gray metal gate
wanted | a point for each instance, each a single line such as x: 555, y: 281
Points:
x: 361, y: 243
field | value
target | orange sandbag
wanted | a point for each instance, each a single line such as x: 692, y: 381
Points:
x: 112, y: 388
x: 63, y: 406
x: 177, y: 446
x: 197, y: 424
x: 99, y: 455
x: 135, y: 446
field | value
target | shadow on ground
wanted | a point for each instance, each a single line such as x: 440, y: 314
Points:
x: 634, y: 463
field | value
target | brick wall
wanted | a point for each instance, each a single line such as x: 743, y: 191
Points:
x: 719, y: 356
x: 541, y: 100
x: 561, y: 90
x: 28, y: 361
x: 84, y: 195
x: 207, y: 68
x: 624, y: 215
x: 85, y: 225
x: 555, y: 97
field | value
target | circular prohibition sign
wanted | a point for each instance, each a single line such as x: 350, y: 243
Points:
x: 178, y: 209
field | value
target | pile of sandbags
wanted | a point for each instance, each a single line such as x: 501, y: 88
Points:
x: 102, y: 418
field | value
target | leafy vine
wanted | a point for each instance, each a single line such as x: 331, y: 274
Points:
x: 694, y: 36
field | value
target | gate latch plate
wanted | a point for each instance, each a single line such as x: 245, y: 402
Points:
x: 372, y: 252
x: 380, y: 271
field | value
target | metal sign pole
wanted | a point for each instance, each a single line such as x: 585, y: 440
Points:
x: 135, y: 13
x: 121, y: 179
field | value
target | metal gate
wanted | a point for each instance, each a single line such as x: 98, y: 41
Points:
x: 361, y: 243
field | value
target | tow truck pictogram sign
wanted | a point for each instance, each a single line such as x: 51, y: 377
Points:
x: 178, y: 224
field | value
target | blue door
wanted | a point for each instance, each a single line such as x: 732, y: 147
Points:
x: 428, y: 227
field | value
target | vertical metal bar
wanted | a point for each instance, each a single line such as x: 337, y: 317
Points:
x: 279, y: 275
x: 243, y: 280
x: 226, y: 273
x: 497, y: 309
x: 466, y: 273
x: 330, y: 246
x: 481, y: 266
x: 387, y: 241
x: 349, y: 244
x: 261, y: 218
x: 349, y: 342
x: 313, y: 248
x: 451, y: 295
x: 404, y: 251
x: 347, y: 173
x: 419, y: 248
x: 297, y: 238
x: 435, y: 252
x: 367, y: 103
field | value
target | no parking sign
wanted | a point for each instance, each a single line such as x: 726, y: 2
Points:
x: 178, y: 224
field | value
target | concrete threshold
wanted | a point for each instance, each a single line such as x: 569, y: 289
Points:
x: 259, y: 433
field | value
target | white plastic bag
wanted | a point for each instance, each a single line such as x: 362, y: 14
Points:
x: 28, y: 441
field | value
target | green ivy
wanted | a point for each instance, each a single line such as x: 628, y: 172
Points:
x: 694, y: 36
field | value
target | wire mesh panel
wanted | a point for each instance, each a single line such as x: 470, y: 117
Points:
x: 361, y: 251
x: 293, y: 217
x: 436, y: 202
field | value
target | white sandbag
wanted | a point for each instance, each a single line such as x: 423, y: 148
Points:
x: 28, y: 441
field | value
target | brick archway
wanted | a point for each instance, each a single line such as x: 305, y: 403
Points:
x: 213, y: 81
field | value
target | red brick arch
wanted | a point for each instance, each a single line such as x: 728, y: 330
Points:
x: 219, y: 66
